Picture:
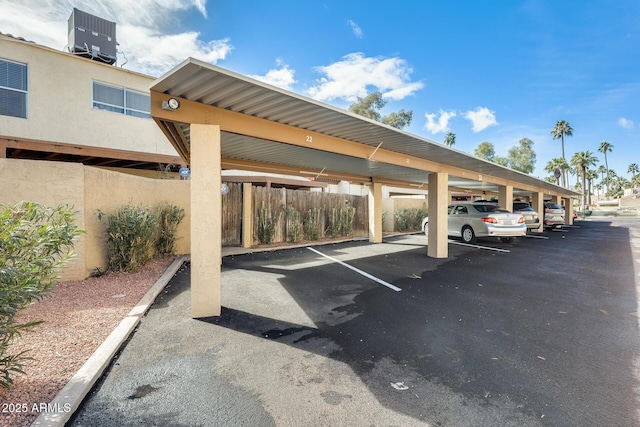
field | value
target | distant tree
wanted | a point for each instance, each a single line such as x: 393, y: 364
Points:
x: 503, y: 161
x: 370, y: 105
x: 618, y: 185
x: 633, y: 169
x: 570, y: 172
x: 485, y: 151
x: 561, y: 129
x: 522, y: 157
x: 598, y: 188
x: 398, y: 120
x: 450, y: 139
x: 591, y: 175
x: 602, y: 170
x: 582, y: 161
x: 552, y: 179
x: 556, y: 166
x: 606, y: 147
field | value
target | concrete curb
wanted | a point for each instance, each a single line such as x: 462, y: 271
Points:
x: 68, y: 400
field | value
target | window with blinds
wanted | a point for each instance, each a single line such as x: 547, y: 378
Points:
x: 13, y: 89
x: 121, y: 100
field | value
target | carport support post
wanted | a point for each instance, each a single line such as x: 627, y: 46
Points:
x: 206, y: 215
x: 375, y: 212
x: 537, y: 203
x: 438, y: 198
x: 247, y: 215
x: 505, y: 197
x: 568, y: 211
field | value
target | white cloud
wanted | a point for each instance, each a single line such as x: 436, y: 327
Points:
x: 441, y: 124
x: 626, y: 123
x: 357, y: 31
x: 140, y: 29
x: 351, y: 77
x: 282, y: 77
x: 481, y: 118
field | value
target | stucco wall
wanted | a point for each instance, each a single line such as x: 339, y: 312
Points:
x: 61, y: 102
x: 88, y: 189
x: 107, y: 191
x: 51, y: 184
x: 389, y: 205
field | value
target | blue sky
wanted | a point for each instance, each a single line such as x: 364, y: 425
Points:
x: 494, y: 71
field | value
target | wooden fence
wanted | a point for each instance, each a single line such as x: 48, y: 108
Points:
x: 232, y: 215
x: 279, y: 203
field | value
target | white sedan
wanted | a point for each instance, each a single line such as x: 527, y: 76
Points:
x: 472, y: 220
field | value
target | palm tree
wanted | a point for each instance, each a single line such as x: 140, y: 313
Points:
x: 561, y: 129
x: 634, y: 169
x: 583, y: 160
x: 450, y: 139
x: 591, y: 175
x: 556, y: 166
x: 606, y: 146
x: 598, y: 187
x: 601, y: 171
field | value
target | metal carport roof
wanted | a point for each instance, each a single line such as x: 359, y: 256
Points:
x: 207, y: 84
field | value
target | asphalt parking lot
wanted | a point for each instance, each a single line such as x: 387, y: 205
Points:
x: 541, y: 332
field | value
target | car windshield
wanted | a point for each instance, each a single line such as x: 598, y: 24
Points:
x: 523, y: 208
x: 489, y: 208
x: 553, y: 206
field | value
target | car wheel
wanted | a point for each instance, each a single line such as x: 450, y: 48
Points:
x: 508, y: 239
x: 468, y: 236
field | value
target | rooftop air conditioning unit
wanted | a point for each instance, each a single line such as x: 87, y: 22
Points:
x: 92, y: 37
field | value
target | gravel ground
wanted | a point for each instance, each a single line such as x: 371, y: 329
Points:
x: 78, y: 316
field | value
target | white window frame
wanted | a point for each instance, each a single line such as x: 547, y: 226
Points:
x: 122, y: 109
x: 25, y: 92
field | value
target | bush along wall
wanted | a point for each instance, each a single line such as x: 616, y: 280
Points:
x: 409, y: 219
x: 137, y: 234
x: 35, y: 242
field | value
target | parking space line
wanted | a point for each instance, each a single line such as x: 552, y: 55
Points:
x: 533, y: 236
x: 489, y: 248
x: 367, y: 275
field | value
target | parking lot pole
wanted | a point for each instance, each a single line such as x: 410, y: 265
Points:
x: 505, y: 197
x: 206, y: 224
x: 375, y: 212
x: 568, y: 211
x: 247, y: 215
x: 537, y: 203
x: 438, y: 240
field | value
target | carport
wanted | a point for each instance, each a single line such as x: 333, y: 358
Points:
x: 217, y: 119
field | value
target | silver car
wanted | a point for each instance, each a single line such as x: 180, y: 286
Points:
x: 472, y: 220
x: 553, y: 215
x: 530, y: 216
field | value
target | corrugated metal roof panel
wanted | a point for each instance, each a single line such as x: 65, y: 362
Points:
x: 201, y: 82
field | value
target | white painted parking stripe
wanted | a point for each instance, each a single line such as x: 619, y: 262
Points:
x: 533, y: 236
x: 479, y: 247
x: 367, y: 275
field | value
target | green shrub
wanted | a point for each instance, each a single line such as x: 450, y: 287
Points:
x: 35, y: 242
x: 130, y: 237
x: 294, y: 225
x: 341, y: 221
x: 409, y: 219
x: 169, y: 217
x: 267, y: 221
x: 312, y: 225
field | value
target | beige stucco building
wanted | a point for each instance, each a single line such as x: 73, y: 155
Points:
x: 71, y: 108
x: 64, y: 108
